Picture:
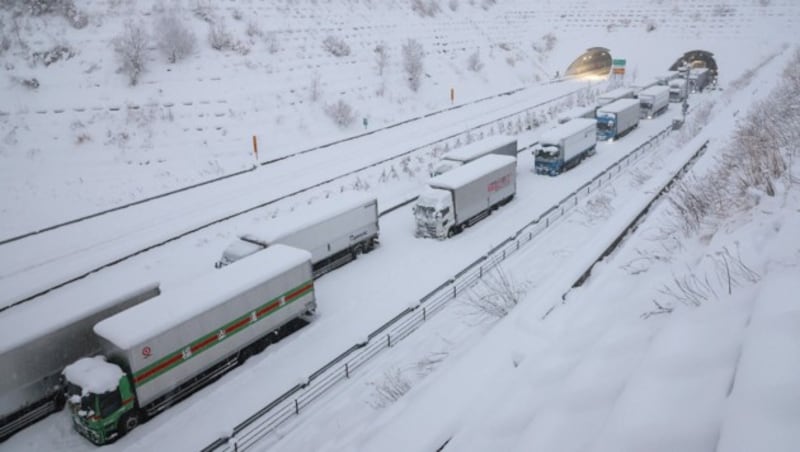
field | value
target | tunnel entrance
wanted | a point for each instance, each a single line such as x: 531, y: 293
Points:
x: 697, y: 59
x: 595, y: 62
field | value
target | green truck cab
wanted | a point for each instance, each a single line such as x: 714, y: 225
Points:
x: 101, y: 400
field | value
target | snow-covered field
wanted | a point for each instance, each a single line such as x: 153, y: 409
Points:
x: 593, y: 374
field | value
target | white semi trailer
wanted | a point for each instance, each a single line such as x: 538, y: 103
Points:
x: 615, y: 95
x: 699, y: 78
x: 616, y: 119
x: 334, y: 230
x: 653, y: 101
x: 39, y: 338
x: 498, y: 144
x: 565, y: 146
x: 160, y: 351
x: 463, y: 196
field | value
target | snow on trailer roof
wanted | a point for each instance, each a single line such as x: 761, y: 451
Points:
x: 472, y: 150
x: 571, y: 127
x: 654, y: 90
x: 157, y: 315
x: 617, y: 93
x: 463, y: 175
x: 94, y: 375
x: 618, y: 106
x: 37, y: 318
x: 277, y: 228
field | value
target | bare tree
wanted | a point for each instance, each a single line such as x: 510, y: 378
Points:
x: 381, y: 57
x: 175, y: 39
x: 341, y: 113
x: 393, y: 386
x: 474, y: 62
x: 131, y: 49
x: 495, y: 295
x: 413, y: 55
x: 315, y: 89
x: 336, y: 46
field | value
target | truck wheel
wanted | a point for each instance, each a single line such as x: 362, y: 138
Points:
x: 451, y: 232
x: 245, y: 354
x: 128, y: 422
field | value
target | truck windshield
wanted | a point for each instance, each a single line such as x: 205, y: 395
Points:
x: 77, y: 399
x: 646, y: 106
x: 547, y: 152
x: 605, y: 124
x: 426, y: 211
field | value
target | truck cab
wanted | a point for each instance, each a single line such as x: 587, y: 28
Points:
x: 100, y: 399
x: 606, y: 126
x: 548, y: 159
x: 434, y: 213
x: 245, y: 246
x: 445, y: 166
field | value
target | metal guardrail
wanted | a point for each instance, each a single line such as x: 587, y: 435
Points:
x: 299, y: 397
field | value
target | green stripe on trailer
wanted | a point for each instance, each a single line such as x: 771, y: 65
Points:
x: 220, y: 334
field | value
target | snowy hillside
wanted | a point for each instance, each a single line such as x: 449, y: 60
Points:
x: 83, y: 126
x: 683, y: 338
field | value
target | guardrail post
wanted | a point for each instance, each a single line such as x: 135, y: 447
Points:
x: 424, y: 314
x: 296, y: 407
x: 388, y: 340
x: 454, y: 289
x: 347, y: 370
x: 576, y: 199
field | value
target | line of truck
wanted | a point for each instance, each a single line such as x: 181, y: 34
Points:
x: 468, y: 186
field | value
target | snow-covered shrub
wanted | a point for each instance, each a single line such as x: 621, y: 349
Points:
x: 175, y: 40
x: 336, y: 46
x: 650, y: 25
x: 474, y: 62
x: 341, y: 113
x: 65, y: 8
x: 723, y: 10
x: 203, y: 11
x: 5, y: 43
x: 219, y: 37
x: 413, y: 55
x: 495, y: 294
x: 453, y: 4
x: 546, y: 43
x: 30, y: 83
x: 57, y: 53
x: 381, y: 57
x: 425, y: 8
x: 393, y: 386
x: 486, y: 4
x: 254, y: 30
x: 131, y: 50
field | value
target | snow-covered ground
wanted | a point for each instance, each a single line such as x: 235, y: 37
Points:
x: 593, y: 374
